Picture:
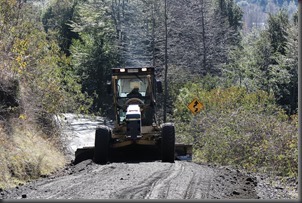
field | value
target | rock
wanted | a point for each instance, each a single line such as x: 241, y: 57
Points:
x: 236, y: 193
x: 279, y: 188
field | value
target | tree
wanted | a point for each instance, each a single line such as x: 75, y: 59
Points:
x: 166, y: 63
x: 132, y: 33
x: 45, y: 83
x: 95, y: 52
x: 233, y: 13
x: 201, y: 34
x: 241, y: 69
x: 288, y: 90
x: 134, y: 24
x: 56, y: 21
x: 277, y: 31
x: 267, y: 61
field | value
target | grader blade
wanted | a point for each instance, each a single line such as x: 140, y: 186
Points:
x: 84, y: 153
x: 183, y: 152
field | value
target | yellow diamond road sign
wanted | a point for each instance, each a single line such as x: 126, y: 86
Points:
x: 195, y: 106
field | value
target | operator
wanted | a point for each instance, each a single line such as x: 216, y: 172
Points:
x: 134, y: 93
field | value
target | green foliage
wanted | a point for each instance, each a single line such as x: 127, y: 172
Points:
x: 48, y: 84
x: 56, y: 19
x: 48, y: 77
x: 238, y: 128
x: 277, y: 30
x: 287, y: 88
x: 230, y: 9
x: 226, y: 99
x: 94, y: 54
x: 267, y: 61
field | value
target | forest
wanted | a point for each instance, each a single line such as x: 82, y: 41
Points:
x: 56, y: 57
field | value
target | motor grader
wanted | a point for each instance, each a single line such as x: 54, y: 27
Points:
x: 134, y: 93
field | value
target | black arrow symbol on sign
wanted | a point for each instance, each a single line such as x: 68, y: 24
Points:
x: 195, y: 104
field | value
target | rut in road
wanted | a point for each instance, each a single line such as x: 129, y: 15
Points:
x: 141, y: 190
x: 174, y: 182
x: 148, y: 186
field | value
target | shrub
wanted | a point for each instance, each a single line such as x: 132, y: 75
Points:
x: 238, y: 128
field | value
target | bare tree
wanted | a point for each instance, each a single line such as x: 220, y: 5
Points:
x: 200, y: 36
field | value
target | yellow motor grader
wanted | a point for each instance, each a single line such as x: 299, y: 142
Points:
x: 134, y: 100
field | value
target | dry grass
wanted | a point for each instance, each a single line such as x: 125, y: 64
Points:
x: 26, y: 155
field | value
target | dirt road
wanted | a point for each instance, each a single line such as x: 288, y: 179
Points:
x: 143, y: 180
x: 139, y: 174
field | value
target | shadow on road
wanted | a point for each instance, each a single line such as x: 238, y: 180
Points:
x: 129, y: 154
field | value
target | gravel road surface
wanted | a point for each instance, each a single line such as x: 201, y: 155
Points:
x: 143, y: 180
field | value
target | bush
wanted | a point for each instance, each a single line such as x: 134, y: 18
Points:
x: 238, y: 128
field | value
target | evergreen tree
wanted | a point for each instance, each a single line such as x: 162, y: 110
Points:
x: 95, y: 53
x: 277, y: 31
x: 56, y: 21
x: 267, y: 62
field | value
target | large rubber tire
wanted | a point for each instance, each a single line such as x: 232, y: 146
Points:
x: 101, y: 145
x: 168, y: 143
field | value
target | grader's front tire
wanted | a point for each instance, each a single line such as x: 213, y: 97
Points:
x: 101, y: 145
x: 168, y: 143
